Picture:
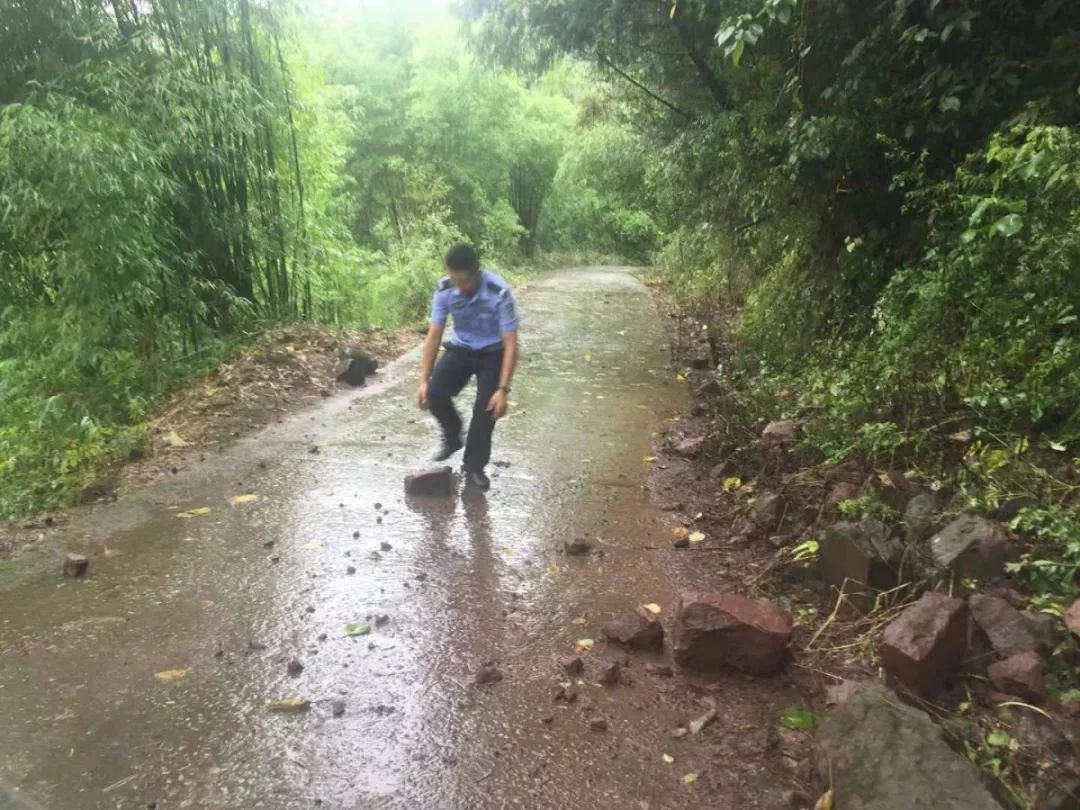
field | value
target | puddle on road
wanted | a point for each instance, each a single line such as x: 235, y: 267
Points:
x: 232, y: 596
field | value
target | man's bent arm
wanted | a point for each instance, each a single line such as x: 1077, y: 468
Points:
x: 510, y: 357
x: 431, y: 350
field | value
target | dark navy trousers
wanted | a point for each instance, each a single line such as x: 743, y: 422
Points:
x: 452, y: 373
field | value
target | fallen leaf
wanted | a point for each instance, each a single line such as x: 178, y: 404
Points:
x: 680, y: 378
x: 236, y: 500
x: 312, y: 546
x: 689, y: 779
x: 206, y: 604
x: 961, y: 436
x: 652, y: 607
x: 553, y: 569
x: 583, y: 645
x: 357, y: 629
x: 170, y: 675
x: 697, y: 537
x: 579, y: 620
x: 886, y: 481
x: 289, y: 705
x: 202, y: 510
x: 649, y: 459
x: 668, y: 758
x: 172, y: 438
x: 797, y: 719
x: 825, y: 802
x: 681, y: 532
x: 699, y: 516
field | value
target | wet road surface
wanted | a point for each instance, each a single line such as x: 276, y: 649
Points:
x: 233, y: 595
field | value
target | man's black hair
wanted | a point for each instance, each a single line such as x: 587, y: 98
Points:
x: 462, y: 257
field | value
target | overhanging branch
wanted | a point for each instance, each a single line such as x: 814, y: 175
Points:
x: 611, y: 66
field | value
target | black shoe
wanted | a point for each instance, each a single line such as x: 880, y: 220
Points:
x: 478, y: 480
x: 449, y: 447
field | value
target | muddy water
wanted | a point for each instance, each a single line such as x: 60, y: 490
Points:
x: 233, y: 595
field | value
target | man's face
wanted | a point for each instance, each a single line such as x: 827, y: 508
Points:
x: 465, y: 280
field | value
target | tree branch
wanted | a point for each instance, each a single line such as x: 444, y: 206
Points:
x: 611, y: 66
x: 706, y: 73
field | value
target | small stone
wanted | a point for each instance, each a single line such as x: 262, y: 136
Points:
x: 638, y: 629
x: 565, y: 694
x: 779, y: 435
x: 275, y: 558
x: 660, y: 670
x: 322, y: 637
x: 75, y: 565
x: 310, y: 609
x: 351, y: 569
x: 268, y: 544
x: 681, y: 542
x: 337, y: 707
x: 573, y: 666
x: 378, y: 519
x: 577, y: 547
x: 378, y: 507
x: 598, y: 724
x: 421, y: 576
x: 1020, y: 675
x: 256, y: 645
x: 313, y: 449
x: 680, y: 732
x: 690, y: 448
x: 356, y: 535
x: 437, y: 481
x: 385, y: 546
x: 294, y: 667
x: 547, y: 719
x: 487, y: 674
x: 382, y: 620
x: 611, y: 674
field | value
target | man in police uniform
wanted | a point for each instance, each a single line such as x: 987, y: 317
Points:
x: 483, y: 344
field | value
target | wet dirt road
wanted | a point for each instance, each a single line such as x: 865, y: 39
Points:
x: 233, y: 595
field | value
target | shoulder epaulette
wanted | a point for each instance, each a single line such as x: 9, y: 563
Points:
x: 444, y: 284
x: 497, y: 288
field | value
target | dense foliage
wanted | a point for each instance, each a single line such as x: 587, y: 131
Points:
x: 889, y: 194
x: 177, y: 174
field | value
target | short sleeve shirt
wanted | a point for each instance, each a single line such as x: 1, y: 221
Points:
x: 479, y: 320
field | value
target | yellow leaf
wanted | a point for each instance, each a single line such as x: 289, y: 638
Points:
x: 825, y: 802
x: 681, y: 532
x: 652, y: 607
x: 173, y: 439
x: 202, y: 510
x: 668, y: 758
x: 697, y: 537
x: 553, y: 569
x: 886, y: 481
x: 689, y: 779
x: 236, y: 500
x: 583, y: 645
x: 170, y: 675
x: 732, y: 484
x: 649, y: 459
x: 680, y: 378
x: 289, y: 705
x: 579, y: 620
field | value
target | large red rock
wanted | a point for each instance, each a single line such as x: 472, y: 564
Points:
x: 1011, y: 631
x: 639, y: 629
x: 924, y: 646
x: 437, y: 481
x: 718, y: 630
x: 1020, y: 675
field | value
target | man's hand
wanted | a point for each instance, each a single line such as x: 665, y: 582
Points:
x: 497, y: 405
x: 422, y: 397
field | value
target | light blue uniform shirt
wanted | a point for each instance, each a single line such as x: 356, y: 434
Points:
x: 479, y: 319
